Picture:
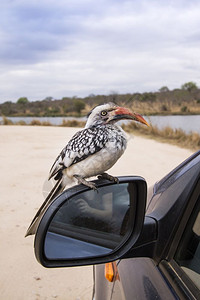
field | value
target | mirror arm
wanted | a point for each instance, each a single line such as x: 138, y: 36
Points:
x: 146, y: 243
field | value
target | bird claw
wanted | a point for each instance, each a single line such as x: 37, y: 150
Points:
x: 85, y: 182
x: 91, y: 185
x: 108, y: 177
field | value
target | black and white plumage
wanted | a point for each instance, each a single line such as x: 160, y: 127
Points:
x: 90, y: 152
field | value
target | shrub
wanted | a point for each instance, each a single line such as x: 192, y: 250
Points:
x: 21, y: 122
x: 46, y: 123
x: 72, y: 123
x: 164, y: 107
x: 7, y: 121
x: 184, y: 109
x: 35, y: 123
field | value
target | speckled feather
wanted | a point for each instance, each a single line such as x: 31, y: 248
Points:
x: 87, y: 142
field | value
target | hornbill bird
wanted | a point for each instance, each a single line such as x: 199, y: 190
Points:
x: 90, y: 152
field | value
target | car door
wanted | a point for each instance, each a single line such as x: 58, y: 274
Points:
x: 140, y: 279
x: 174, y: 271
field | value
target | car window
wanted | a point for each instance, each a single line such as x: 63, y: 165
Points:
x: 188, y: 253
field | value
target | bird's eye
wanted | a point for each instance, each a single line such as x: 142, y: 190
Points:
x: 104, y: 113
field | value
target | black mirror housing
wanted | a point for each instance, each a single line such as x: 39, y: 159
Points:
x: 84, y: 227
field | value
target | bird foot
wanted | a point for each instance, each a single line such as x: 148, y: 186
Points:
x: 85, y: 182
x: 108, y: 177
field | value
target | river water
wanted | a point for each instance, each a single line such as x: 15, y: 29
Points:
x: 188, y: 124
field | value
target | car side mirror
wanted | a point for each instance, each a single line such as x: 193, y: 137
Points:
x: 83, y: 226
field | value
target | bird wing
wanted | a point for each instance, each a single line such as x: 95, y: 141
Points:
x: 83, y: 144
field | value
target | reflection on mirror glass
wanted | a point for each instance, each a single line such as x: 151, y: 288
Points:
x: 92, y: 223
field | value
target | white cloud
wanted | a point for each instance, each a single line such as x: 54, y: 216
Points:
x: 65, y: 49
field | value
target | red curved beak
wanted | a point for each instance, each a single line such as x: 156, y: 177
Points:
x: 122, y: 113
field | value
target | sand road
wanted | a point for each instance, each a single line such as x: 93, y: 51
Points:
x: 26, y: 155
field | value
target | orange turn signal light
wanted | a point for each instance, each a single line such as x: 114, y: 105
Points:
x: 111, y: 272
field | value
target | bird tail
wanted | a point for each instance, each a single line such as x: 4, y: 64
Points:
x: 56, y: 190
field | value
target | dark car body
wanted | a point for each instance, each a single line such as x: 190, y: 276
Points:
x: 163, y: 262
x: 161, y: 277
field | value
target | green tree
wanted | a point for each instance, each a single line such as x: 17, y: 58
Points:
x: 22, y: 100
x: 22, y: 104
x: 148, y: 97
x: 79, y: 105
x: 163, y: 89
x: 49, y: 98
x: 189, y: 86
x: 7, y: 108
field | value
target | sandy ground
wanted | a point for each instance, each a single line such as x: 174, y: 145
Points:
x: 26, y: 154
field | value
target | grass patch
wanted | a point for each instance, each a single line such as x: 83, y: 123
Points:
x: 72, y: 123
x: 39, y: 123
x: 168, y: 135
x: 21, y: 123
x: 35, y: 122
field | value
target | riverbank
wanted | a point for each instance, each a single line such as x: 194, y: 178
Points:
x: 162, y: 133
x: 166, y: 135
x: 26, y: 155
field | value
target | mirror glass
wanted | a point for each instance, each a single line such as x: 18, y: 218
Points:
x: 92, y: 223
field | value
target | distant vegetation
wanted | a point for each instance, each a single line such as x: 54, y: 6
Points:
x: 184, y: 100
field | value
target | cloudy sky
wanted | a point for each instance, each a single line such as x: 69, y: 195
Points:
x: 81, y: 47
